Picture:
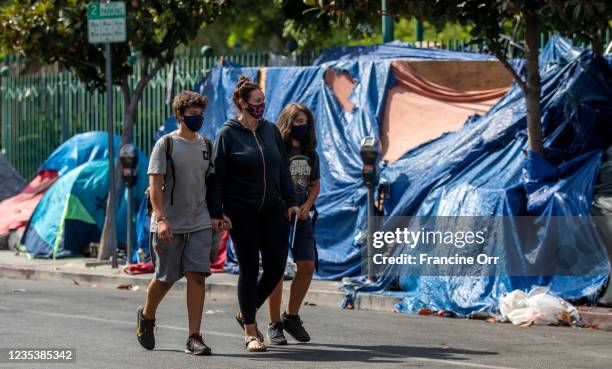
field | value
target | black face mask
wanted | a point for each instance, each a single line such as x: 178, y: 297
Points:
x: 299, y: 132
x: 193, y: 122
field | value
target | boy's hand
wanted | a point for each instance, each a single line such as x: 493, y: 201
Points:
x: 164, y: 231
x: 304, y: 210
x: 217, y: 224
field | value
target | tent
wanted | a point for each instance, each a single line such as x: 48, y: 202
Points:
x: 70, y: 214
x: 349, y: 103
x: 64, y: 222
x: 11, y: 182
x: 17, y: 210
x: 79, y: 149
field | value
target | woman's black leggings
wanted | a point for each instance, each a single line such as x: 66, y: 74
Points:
x: 254, y: 232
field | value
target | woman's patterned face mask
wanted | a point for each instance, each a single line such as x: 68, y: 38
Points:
x: 257, y: 111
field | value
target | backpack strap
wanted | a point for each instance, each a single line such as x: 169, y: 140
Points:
x: 209, y: 149
x: 169, y: 143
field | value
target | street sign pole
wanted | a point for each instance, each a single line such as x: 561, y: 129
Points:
x: 106, y: 24
x: 111, y: 155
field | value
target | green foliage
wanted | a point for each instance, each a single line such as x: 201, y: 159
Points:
x: 269, y: 24
x: 258, y: 25
x: 50, y: 31
x: 490, y: 21
x: 587, y: 20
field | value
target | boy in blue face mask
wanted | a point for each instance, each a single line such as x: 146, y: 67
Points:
x: 181, y: 232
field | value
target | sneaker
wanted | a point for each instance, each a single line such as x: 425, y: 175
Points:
x: 275, y: 334
x: 145, y: 331
x: 196, y: 345
x: 293, y: 325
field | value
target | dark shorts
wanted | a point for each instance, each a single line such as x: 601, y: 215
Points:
x: 304, y: 244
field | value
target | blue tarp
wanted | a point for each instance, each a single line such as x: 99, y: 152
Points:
x: 478, y: 170
x: 392, y: 51
x: 71, y: 213
x: 481, y: 170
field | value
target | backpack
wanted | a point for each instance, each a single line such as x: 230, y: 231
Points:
x: 169, y: 143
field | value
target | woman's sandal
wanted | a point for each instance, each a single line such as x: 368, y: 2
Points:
x: 258, y: 347
x: 241, y: 323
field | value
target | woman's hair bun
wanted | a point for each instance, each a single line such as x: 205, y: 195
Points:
x: 242, y: 80
x: 243, y: 90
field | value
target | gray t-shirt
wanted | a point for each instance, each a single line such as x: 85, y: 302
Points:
x: 191, y: 164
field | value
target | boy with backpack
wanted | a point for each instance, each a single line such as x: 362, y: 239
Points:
x: 181, y: 231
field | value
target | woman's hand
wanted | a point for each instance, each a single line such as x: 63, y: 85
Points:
x: 224, y: 224
x: 227, y: 223
x: 293, y: 210
x: 217, y: 224
x: 164, y: 231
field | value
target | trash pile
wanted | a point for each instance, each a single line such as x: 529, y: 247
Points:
x: 538, y: 307
x: 524, y: 309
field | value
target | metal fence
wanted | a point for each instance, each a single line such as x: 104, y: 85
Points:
x: 39, y: 111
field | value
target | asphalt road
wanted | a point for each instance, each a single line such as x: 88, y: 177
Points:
x: 100, y: 324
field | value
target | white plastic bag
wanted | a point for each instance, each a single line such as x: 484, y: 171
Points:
x: 515, y: 300
x: 537, y: 307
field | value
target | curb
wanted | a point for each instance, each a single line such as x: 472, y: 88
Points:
x: 214, y: 289
x: 598, y: 318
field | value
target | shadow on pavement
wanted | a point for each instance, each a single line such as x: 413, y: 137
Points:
x: 364, y: 354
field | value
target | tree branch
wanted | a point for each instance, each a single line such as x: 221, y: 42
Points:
x: 496, y: 49
x: 81, y: 61
x: 142, y: 83
x: 125, y: 89
x: 145, y: 68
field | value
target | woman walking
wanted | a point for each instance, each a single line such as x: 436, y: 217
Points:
x: 296, y: 125
x: 252, y: 187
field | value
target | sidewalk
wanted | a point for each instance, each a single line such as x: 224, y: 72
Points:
x: 219, y: 285
x: 89, y: 271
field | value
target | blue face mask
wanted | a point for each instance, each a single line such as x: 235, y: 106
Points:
x: 193, y: 122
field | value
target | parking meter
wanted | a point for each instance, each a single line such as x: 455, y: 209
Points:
x: 369, y: 155
x: 128, y: 155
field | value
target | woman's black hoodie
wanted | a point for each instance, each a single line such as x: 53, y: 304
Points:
x: 251, y: 169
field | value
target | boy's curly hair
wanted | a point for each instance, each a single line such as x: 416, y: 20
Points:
x: 188, y: 99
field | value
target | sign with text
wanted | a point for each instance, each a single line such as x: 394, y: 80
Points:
x: 106, y: 22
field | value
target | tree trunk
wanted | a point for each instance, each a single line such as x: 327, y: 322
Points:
x: 533, y: 85
x: 130, y: 106
x: 597, y: 44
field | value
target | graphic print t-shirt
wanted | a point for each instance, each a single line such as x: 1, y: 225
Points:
x: 304, y: 169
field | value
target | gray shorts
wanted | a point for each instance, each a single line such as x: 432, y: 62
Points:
x: 188, y: 252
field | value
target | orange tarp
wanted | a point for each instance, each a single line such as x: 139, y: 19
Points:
x: 418, y: 110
